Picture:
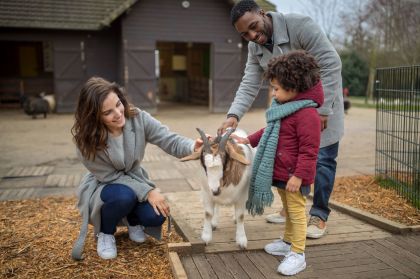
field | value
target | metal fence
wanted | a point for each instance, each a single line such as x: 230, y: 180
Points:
x: 397, y: 160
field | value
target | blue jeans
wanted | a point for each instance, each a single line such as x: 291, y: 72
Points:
x: 324, y: 180
x: 120, y: 201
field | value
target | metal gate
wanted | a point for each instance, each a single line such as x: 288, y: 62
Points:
x: 398, y: 130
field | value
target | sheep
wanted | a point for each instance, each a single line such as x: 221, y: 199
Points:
x: 35, y: 105
x: 228, y: 169
x: 50, y: 99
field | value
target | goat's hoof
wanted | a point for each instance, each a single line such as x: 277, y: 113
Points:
x: 242, y: 242
x: 206, y: 238
x: 214, y: 227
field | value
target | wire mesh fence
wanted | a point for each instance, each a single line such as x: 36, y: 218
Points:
x: 397, y: 158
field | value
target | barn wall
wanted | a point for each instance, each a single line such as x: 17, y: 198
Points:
x: 77, y: 55
x: 166, y: 20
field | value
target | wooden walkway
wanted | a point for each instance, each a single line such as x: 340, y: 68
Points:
x: 392, y: 257
x: 188, y: 213
x: 351, y: 249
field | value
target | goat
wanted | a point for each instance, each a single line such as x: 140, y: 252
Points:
x: 228, y: 169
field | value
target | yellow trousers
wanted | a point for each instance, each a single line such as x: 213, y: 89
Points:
x: 295, y: 233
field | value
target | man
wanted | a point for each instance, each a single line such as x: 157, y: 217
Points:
x: 272, y: 34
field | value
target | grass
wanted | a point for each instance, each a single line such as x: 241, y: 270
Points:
x: 360, y: 102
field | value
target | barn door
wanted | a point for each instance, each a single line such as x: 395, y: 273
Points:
x: 227, y: 71
x: 140, y: 76
x: 69, y: 75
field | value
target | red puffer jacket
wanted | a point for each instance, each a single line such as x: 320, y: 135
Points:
x: 299, y: 140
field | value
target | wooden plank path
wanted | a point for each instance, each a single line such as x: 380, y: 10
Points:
x: 391, y: 257
x: 36, y: 186
x: 188, y: 213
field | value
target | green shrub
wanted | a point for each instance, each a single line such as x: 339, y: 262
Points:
x: 355, y: 73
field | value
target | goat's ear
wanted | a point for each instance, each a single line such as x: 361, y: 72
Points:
x: 235, y: 155
x: 194, y: 156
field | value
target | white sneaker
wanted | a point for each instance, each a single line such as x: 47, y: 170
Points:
x: 277, y: 248
x: 292, y: 264
x: 276, y: 218
x: 136, y: 233
x: 106, y: 247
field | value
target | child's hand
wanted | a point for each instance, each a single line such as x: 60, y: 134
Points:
x: 293, y: 184
x: 239, y: 139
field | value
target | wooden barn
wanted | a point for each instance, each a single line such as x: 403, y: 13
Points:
x: 160, y: 51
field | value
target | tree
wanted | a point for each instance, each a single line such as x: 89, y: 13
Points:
x: 355, y: 73
x: 324, y: 12
x: 383, y: 32
x: 387, y: 29
x: 398, y: 25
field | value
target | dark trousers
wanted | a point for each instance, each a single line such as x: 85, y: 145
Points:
x: 324, y: 180
x: 120, y: 201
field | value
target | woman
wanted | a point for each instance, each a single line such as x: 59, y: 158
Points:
x: 111, y: 137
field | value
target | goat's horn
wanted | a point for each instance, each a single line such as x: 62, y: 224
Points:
x: 225, y: 138
x: 206, y: 143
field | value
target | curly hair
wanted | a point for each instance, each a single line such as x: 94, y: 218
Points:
x: 89, y: 132
x: 296, y: 70
x: 241, y: 8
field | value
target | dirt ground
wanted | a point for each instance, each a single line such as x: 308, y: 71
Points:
x: 28, y: 142
x: 365, y: 193
x: 36, y: 237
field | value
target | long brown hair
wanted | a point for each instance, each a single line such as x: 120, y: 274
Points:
x: 89, y: 132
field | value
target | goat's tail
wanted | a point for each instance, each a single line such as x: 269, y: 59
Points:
x: 258, y: 202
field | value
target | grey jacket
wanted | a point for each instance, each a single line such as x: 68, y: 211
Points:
x: 107, y: 168
x: 294, y: 32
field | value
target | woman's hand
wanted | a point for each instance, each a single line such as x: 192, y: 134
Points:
x: 293, y: 184
x: 158, y: 202
x: 198, y: 144
x: 239, y: 139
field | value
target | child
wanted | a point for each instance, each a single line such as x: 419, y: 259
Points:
x: 287, y: 151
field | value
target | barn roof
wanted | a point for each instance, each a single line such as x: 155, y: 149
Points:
x: 71, y: 15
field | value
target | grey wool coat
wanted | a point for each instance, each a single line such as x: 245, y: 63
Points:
x: 296, y: 32
x: 107, y: 167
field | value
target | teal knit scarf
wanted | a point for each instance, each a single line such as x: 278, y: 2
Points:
x: 260, y: 194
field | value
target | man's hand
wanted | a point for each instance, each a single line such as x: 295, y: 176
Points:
x: 229, y: 122
x: 324, y: 122
x: 158, y: 202
x: 293, y: 184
